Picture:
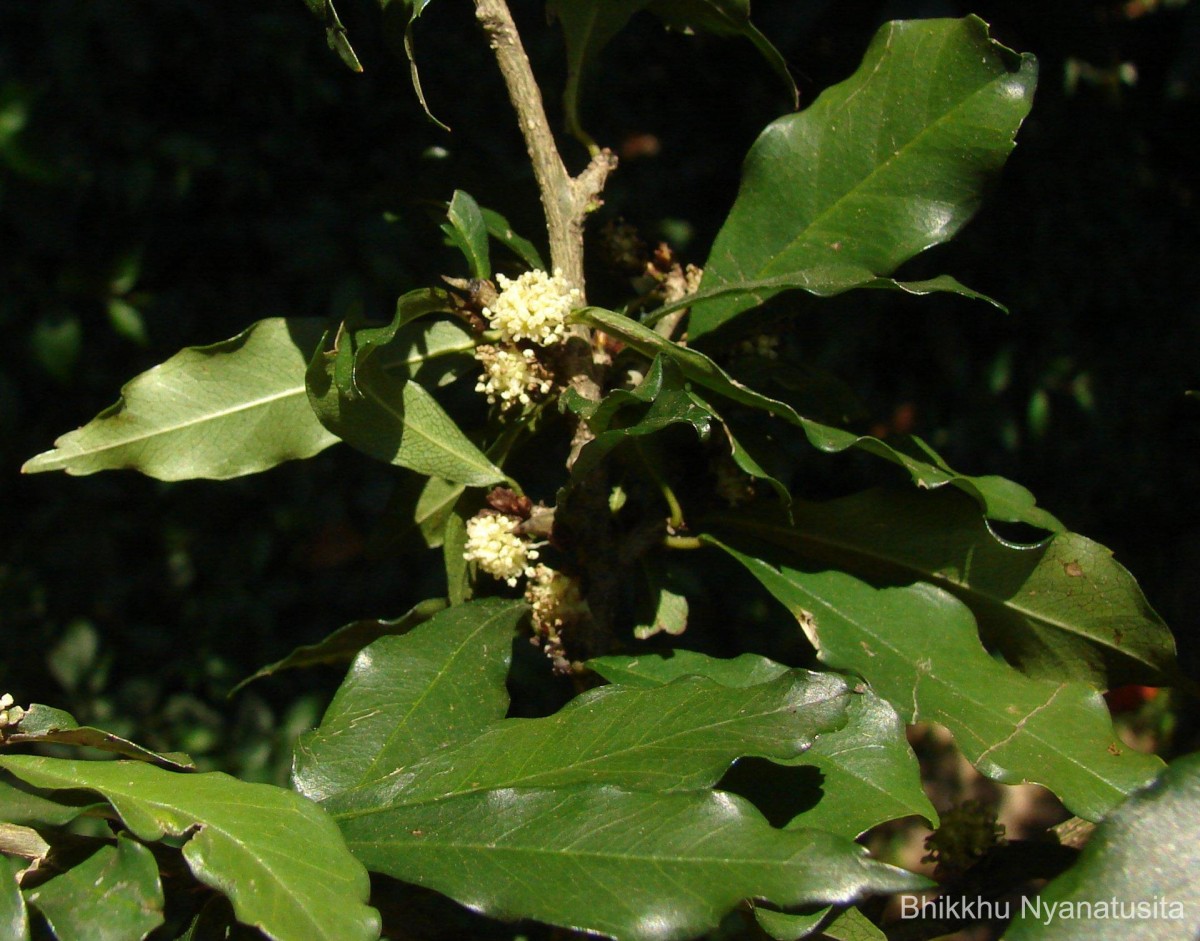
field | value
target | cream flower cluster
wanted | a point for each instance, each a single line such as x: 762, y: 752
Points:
x: 534, y: 307
x: 556, y: 599
x: 509, y: 376
x: 494, y: 544
x: 10, y: 715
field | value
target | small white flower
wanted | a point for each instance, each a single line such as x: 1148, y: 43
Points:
x: 494, y: 544
x: 534, y: 307
x: 509, y: 376
x: 556, y: 599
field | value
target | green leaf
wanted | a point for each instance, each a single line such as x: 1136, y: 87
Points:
x: 629, y: 864
x: 113, y: 895
x: 499, y: 229
x: 468, y: 231
x: 486, y: 815
x: 393, y: 420
x: 668, y: 609
x: 219, y: 411
x: 458, y: 571
x: 335, y: 32
x: 433, y: 352
x: 918, y: 648
x: 661, y: 398
x: 1064, y: 609
x: 587, y: 25
x: 414, y: 8
x: 254, y: 842
x: 724, y: 18
x: 1136, y: 877
x: 1001, y: 499
x: 651, y: 670
x: 46, y: 724
x: 404, y: 697
x: 415, y: 517
x: 870, y: 774
x: 853, y: 925
x: 344, y: 644
x: 785, y: 926
x: 31, y: 809
x: 881, y: 166
x: 14, y: 919
x: 682, y: 736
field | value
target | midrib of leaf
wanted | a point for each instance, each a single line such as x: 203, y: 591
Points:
x: 950, y: 584
x: 469, y: 459
x: 420, y: 700
x: 897, y: 155
x: 520, y: 780
x: 391, y: 365
x: 180, y: 426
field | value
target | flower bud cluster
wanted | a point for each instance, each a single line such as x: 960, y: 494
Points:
x: 511, y: 376
x: 558, y: 603
x: 534, y: 307
x: 494, y: 544
x: 10, y: 715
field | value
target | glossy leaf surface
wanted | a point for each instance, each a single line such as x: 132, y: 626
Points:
x: 495, y: 803
x: 1001, y: 499
x: 404, y: 697
x: 630, y: 864
x: 918, y: 648
x: 869, y: 773
x: 1061, y: 609
x: 1144, y: 858
x: 113, y: 895
x: 393, y: 420
x: 881, y: 166
x: 467, y: 230
x: 220, y: 411
x: 253, y: 842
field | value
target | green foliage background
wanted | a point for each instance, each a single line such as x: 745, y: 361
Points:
x: 171, y: 172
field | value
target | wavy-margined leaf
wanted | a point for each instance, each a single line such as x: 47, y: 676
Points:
x: 630, y: 864
x: 50, y: 725
x: 113, y: 895
x: 881, y: 167
x: 468, y: 232
x: 344, y: 644
x: 682, y: 736
x: 661, y: 399
x: 1001, y: 499
x: 14, y: 918
x: 869, y: 773
x: 254, y: 842
x: 404, y: 697
x: 594, y: 794
x: 233, y: 408
x: 589, y: 25
x: 393, y: 420
x: 1136, y: 878
x: 1064, y: 609
x: 918, y: 648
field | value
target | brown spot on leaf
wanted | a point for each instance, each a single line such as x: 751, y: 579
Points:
x: 1073, y: 569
